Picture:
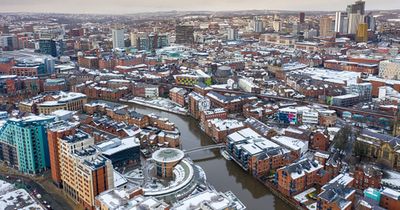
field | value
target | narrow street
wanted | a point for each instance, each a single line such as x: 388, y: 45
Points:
x: 50, y: 196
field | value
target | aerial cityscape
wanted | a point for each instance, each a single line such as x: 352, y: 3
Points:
x: 199, y: 105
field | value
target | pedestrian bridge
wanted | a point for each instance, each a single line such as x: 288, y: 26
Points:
x: 208, y: 147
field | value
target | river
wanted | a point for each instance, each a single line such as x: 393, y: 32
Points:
x: 222, y: 174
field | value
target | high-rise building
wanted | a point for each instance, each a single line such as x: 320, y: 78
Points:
x: 184, y: 34
x: 355, y: 19
x: 133, y: 37
x: 341, y: 22
x: 357, y: 8
x: 362, y: 33
x: 23, y: 144
x: 370, y: 20
x: 233, y: 34
x: 258, y: 25
x: 55, y: 132
x: 277, y: 25
x: 8, y: 42
x: 355, y: 14
x: 84, y: 172
x: 302, y: 17
x: 118, y: 38
x: 150, y: 41
x: 326, y: 27
x: 51, y: 47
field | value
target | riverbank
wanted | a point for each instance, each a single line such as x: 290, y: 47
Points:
x: 223, y: 174
x: 159, y: 104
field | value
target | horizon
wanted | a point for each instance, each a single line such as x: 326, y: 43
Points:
x: 126, y: 7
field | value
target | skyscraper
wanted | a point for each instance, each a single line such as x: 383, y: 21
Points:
x: 362, y: 32
x: 184, y: 34
x: 341, y: 22
x: 370, y: 20
x: 277, y: 25
x: 355, y: 19
x: 118, y: 38
x: 357, y: 7
x: 355, y: 13
x: 302, y: 17
x: 233, y: 34
x: 326, y: 28
x: 258, y: 25
x: 51, y: 47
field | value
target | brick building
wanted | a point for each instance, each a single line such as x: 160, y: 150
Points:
x: 178, y: 95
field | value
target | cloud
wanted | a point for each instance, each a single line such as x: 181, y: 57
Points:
x: 133, y: 6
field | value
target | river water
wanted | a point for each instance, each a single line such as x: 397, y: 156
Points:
x: 222, y: 174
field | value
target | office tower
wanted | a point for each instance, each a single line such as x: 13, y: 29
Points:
x: 302, y: 17
x: 370, y: 20
x: 233, y: 34
x: 362, y: 33
x: 258, y: 25
x: 134, y: 39
x: 326, y: 28
x: 341, y: 22
x: 23, y: 144
x: 277, y: 25
x: 118, y: 38
x: 151, y: 41
x: 355, y: 19
x: 355, y: 13
x: 297, y: 28
x: 357, y: 7
x: 8, y: 42
x: 51, y: 47
x: 184, y: 34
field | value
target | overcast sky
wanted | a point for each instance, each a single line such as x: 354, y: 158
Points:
x: 134, y: 6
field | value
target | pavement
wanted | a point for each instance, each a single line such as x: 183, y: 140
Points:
x: 51, y: 196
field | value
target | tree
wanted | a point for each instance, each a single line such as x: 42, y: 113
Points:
x: 360, y: 150
x: 340, y: 141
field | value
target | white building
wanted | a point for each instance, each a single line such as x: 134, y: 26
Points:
x: 233, y: 34
x: 277, y: 25
x: 354, y: 21
x: 310, y: 117
x: 247, y: 85
x: 118, y: 38
x: 390, y: 69
x: 341, y: 22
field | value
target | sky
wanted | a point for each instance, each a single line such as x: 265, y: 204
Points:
x: 135, y: 6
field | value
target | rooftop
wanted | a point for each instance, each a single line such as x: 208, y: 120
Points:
x: 168, y: 155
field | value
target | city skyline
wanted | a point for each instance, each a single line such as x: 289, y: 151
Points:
x: 128, y: 7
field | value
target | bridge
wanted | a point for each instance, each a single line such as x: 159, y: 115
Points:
x: 208, y: 147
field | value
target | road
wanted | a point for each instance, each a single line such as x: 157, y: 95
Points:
x: 50, y: 194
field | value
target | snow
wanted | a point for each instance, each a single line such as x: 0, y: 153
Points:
x: 207, y: 196
x: 12, y: 198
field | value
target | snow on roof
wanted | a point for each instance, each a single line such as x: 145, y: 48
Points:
x: 291, y: 143
x: 116, y: 145
x: 213, y: 199
x: 119, y: 180
x: 12, y: 198
x: 343, y: 179
x: 391, y: 193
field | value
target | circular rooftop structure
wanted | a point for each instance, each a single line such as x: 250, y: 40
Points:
x: 168, y: 155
